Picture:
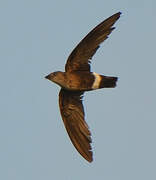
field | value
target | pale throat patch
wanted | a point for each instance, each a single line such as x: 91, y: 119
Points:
x: 97, y: 81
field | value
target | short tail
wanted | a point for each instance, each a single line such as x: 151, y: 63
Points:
x: 108, y: 82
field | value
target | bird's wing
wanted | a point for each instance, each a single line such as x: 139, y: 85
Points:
x: 72, y: 113
x: 79, y: 59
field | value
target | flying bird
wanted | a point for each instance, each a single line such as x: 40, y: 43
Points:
x: 77, y: 79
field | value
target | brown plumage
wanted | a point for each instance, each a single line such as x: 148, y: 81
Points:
x: 79, y: 59
x: 77, y: 79
x: 72, y: 113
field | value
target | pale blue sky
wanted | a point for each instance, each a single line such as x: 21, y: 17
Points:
x: 36, y: 38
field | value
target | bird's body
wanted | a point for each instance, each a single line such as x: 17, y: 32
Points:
x: 82, y: 81
x: 77, y: 79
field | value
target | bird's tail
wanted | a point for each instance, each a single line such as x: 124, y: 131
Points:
x: 108, y: 82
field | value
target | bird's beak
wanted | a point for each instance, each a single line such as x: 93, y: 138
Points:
x: 47, y: 77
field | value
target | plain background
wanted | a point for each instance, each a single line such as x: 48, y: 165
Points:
x: 36, y: 38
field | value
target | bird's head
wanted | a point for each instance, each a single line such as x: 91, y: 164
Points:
x: 56, y: 77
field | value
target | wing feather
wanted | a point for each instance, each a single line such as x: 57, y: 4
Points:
x: 72, y: 113
x: 79, y: 59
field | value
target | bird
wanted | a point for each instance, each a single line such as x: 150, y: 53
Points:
x: 76, y: 80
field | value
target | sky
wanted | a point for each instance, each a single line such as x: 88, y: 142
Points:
x: 36, y: 38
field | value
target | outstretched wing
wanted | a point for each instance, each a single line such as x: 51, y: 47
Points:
x: 79, y: 59
x: 72, y: 113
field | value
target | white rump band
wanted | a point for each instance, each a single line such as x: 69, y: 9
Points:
x: 97, y: 81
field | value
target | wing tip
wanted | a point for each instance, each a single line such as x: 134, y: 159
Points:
x: 89, y: 158
x: 118, y: 13
x: 116, y: 16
